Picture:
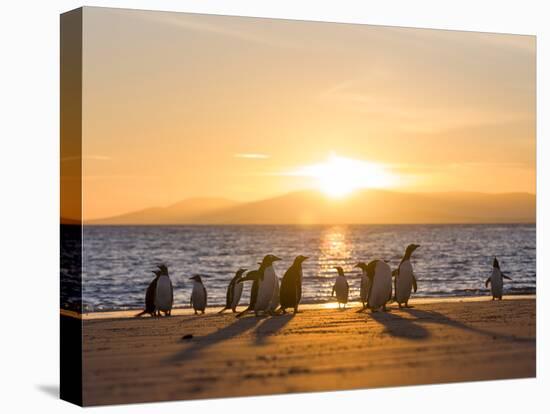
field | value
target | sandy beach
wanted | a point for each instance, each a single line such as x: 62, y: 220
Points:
x: 320, y: 349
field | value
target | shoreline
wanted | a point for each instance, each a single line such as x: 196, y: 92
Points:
x: 319, y: 349
x: 185, y: 311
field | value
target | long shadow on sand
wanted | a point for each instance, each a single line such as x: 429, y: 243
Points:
x: 271, y: 326
x: 423, y: 316
x: 399, y: 326
x: 198, y: 344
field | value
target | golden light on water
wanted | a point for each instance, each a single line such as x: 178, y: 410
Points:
x: 335, y: 249
x: 340, y: 176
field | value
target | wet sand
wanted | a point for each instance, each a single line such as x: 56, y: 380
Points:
x: 320, y: 349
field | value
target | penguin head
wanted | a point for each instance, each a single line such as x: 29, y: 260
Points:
x: 269, y: 259
x: 240, y: 272
x: 197, y: 279
x: 361, y: 265
x: 163, y: 269
x: 495, y: 263
x: 300, y: 259
x: 340, y: 270
x: 411, y: 248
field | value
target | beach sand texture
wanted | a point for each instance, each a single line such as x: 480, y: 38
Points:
x: 129, y: 360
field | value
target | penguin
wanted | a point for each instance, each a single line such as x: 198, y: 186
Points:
x: 405, y: 281
x: 364, y: 291
x: 265, y: 287
x: 164, y: 292
x: 341, y: 287
x: 150, y: 296
x: 254, y: 276
x: 496, y: 280
x: 234, y: 292
x: 198, y: 295
x: 291, y: 285
x: 380, y: 285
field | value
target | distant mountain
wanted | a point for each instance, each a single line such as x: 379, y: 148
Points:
x: 364, y: 207
x: 186, y: 211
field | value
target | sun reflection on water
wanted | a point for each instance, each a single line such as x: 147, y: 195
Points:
x: 335, y: 250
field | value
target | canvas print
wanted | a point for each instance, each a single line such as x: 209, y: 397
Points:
x: 260, y: 206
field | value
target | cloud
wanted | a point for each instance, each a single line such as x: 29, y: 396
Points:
x: 223, y: 26
x: 252, y: 156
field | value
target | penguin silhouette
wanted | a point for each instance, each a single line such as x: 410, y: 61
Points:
x: 291, y: 285
x: 364, y: 291
x: 150, y: 296
x: 405, y: 281
x: 164, y: 292
x: 496, y: 280
x: 198, y: 295
x: 341, y: 288
x: 234, y: 292
x: 255, y: 276
x: 380, y: 285
x: 264, y: 287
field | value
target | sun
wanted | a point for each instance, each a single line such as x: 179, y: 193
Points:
x: 339, y: 176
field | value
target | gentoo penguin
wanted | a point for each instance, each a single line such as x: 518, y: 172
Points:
x: 198, y: 295
x: 341, y: 287
x: 234, y: 292
x: 291, y: 285
x: 496, y: 280
x: 266, y: 285
x: 150, y: 296
x: 164, y: 294
x: 405, y: 281
x: 380, y: 281
x: 364, y: 292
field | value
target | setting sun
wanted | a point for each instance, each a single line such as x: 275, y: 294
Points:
x: 340, y: 176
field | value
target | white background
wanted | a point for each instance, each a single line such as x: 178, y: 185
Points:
x: 29, y: 158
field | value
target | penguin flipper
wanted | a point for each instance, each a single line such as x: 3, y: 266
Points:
x: 414, y: 284
x: 505, y: 277
x: 487, y: 282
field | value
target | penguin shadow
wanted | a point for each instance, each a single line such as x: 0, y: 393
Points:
x: 200, y: 343
x: 271, y: 326
x: 399, y: 326
x: 424, y: 316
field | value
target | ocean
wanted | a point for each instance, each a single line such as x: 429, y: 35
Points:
x: 453, y: 260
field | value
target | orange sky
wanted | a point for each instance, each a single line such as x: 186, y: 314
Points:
x: 179, y: 106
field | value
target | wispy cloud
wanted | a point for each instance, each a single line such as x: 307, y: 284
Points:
x: 230, y: 27
x: 252, y: 156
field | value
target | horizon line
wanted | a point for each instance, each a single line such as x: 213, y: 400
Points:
x: 311, y: 190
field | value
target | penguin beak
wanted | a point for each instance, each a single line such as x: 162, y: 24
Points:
x: 275, y: 258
